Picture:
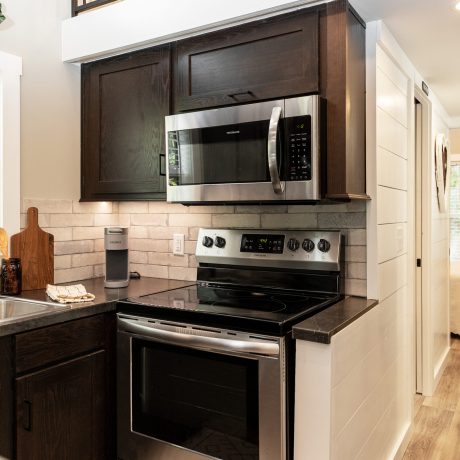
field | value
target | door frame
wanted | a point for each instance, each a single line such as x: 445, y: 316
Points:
x: 423, y: 287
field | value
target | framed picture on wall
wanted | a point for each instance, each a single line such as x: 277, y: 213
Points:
x: 441, y: 154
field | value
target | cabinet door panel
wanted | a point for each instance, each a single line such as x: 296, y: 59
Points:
x: 262, y: 60
x: 61, y: 411
x: 125, y: 100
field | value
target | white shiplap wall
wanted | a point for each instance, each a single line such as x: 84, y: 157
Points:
x: 364, y: 379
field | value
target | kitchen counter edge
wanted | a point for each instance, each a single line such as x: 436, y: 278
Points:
x: 105, y: 301
x: 321, y: 327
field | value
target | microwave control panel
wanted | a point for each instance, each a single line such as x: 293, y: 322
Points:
x: 298, y: 131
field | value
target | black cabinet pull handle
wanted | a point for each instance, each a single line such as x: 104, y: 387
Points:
x: 27, y: 418
x: 242, y: 93
x: 162, y: 164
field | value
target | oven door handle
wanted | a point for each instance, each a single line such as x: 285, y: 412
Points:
x: 198, y: 341
x: 278, y: 186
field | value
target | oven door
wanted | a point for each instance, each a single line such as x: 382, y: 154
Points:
x: 227, y: 154
x: 189, y: 393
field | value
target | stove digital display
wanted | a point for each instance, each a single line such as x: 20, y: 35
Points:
x: 266, y: 244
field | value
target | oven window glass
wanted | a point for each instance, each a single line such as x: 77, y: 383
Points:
x: 202, y: 401
x: 234, y: 153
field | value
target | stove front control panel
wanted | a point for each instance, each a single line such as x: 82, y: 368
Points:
x: 311, y: 249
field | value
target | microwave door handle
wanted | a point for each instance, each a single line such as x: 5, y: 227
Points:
x: 198, y: 341
x: 278, y: 186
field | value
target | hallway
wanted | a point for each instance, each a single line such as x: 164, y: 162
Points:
x: 436, y: 434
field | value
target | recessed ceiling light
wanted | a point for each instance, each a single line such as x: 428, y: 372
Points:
x: 457, y: 6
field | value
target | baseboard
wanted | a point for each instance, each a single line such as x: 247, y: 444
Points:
x: 401, y: 449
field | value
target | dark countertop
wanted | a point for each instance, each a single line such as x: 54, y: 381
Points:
x: 322, y: 326
x: 105, y: 301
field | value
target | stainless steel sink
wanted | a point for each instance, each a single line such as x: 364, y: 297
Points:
x: 14, y: 309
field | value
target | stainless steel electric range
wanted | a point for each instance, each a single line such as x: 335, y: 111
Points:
x: 207, y: 371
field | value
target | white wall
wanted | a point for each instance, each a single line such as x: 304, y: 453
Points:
x: 390, y: 163
x: 10, y: 74
x: 439, y: 267
x: 391, y: 225
x: 50, y: 98
x: 134, y: 24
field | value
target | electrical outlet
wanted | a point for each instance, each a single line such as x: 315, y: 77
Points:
x: 178, y: 244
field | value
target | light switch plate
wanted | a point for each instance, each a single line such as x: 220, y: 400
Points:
x: 178, y: 244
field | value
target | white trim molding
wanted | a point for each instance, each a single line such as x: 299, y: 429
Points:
x: 10, y: 145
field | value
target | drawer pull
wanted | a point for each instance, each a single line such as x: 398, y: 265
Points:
x: 27, y: 417
x: 234, y: 96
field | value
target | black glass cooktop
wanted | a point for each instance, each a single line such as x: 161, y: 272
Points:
x: 252, y: 309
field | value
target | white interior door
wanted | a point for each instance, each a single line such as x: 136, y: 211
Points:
x: 418, y: 247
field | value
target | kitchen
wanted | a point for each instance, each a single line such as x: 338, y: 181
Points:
x: 51, y: 182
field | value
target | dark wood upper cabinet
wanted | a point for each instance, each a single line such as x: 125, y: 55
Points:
x: 316, y: 50
x: 277, y: 57
x: 124, y: 102
x: 343, y: 85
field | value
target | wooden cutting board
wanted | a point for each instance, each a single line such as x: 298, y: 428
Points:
x: 35, y: 248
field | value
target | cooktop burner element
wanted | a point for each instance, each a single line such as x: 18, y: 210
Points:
x: 261, y: 281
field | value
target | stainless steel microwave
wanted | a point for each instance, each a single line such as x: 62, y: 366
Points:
x: 261, y: 152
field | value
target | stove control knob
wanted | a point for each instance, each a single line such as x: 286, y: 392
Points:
x: 293, y: 244
x: 324, y: 245
x: 308, y: 245
x: 208, y: 241
x: 220, y: 242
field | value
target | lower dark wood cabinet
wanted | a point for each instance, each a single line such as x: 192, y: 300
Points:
x: 60, y: 411
x: 57, y: 391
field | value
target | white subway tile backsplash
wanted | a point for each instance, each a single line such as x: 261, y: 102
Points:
x: 165, y: 233
x: 84, y: 260
x: 73, y: 247
x: 101, y: 207
x: 236, y: 221
x: 99, y: 270
x: 149, y: 219
x: 73, y: 274
x: 79, y: 236
x: 148, y: 245
x: 298, y: 221
x: 70, y: 220
x: 62, y: 262
x: 190, y: 220
x: 88, y: 233
x: 356, y: 237
x: 342, y: 220
x: 211, y: 209
x: 155, y: 271
x: 162, y: 207
x: 60, y: 234
x: 158, y: 258
x: 112, y: 220
x: 99, y: 245
x: 271, y: 209
x: 138, y: 232
x: 138, y: 257
x: 133, y: 207
x: 47, y: 206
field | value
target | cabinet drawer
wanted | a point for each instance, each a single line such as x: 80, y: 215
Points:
x: 51, y: 344
x: 261, y: 60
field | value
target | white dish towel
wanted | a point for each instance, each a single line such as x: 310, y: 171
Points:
x: 69, y: 294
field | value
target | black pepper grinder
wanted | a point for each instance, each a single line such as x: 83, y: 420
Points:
x: 11, y: 276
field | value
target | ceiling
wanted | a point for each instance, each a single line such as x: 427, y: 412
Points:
x: 429, y: 32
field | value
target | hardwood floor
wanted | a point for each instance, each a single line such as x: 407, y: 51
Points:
x: 436, y: 434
